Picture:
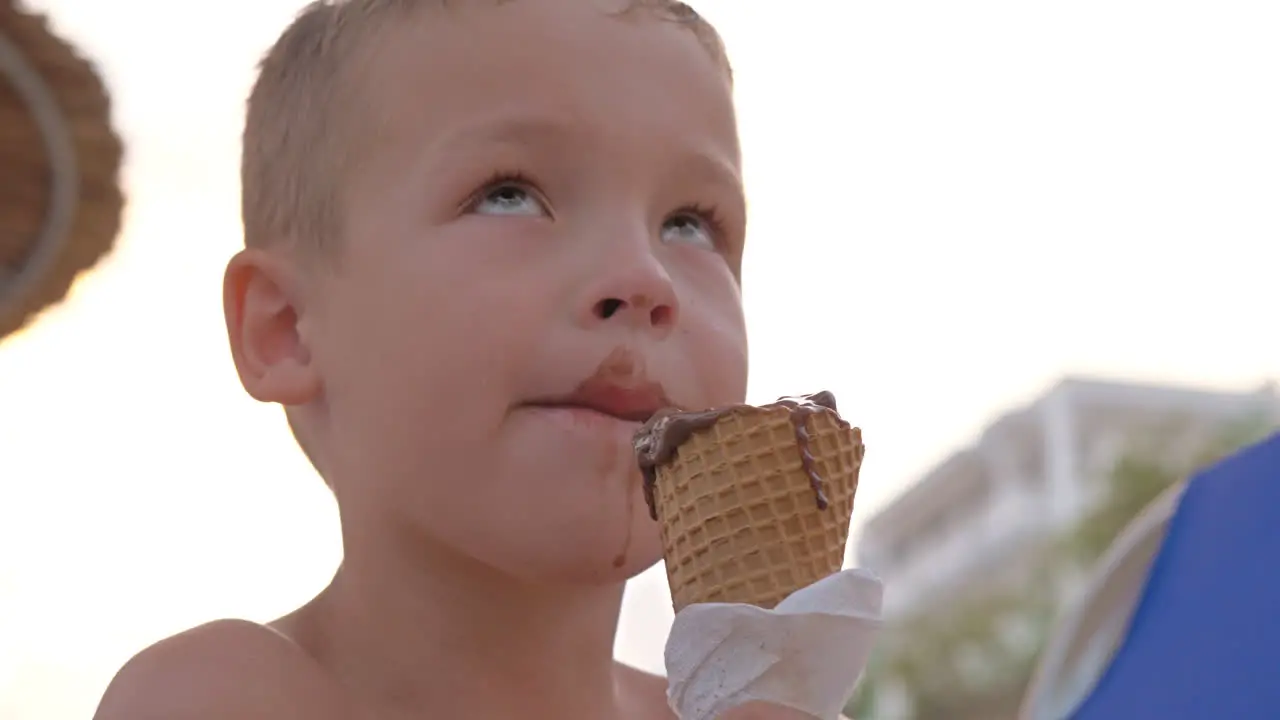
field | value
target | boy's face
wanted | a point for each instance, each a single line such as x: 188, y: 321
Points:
x: 548, y: 211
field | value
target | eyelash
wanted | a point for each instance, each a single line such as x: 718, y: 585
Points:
x: 709, y: 214
x: 506, y: 177
x: 500, y: 178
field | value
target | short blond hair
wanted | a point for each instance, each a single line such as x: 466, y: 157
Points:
x: 298, y: 139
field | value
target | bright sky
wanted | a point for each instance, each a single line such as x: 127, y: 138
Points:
x: 952, y: 205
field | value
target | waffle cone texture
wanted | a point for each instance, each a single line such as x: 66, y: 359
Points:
x: 739, y: 519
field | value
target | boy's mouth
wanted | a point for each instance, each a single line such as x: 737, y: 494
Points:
x: 632, y: 404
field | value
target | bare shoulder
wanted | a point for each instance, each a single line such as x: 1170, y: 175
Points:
x: 223, y: 670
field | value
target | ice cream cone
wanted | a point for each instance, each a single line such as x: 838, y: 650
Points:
x: 740, y: 519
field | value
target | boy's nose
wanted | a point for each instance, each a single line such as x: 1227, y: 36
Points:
x: 639, y: 294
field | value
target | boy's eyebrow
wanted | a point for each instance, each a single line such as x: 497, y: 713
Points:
x: 703, y: 167
x: 535, y: 130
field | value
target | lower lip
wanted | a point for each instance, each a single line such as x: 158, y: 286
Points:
x: 586, y: 420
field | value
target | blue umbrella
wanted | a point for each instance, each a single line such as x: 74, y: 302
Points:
x: 1204, y: 642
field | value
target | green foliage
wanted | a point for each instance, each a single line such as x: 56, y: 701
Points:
x: 971, y: 659
x: 1145, y: 471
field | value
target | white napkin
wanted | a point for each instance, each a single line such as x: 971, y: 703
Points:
x: 808, y: 653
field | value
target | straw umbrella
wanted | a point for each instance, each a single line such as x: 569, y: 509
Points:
x: 60, y: 198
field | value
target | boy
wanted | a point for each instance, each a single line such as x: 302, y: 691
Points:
x: 484, y: 239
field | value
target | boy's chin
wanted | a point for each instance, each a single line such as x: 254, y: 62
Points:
x: 543, y: 511
x: 595, y: 574
x: 573, y: 551
x: 568, y: 513
x: 589, y: 562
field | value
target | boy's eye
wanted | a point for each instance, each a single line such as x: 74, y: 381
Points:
x: 508, y: 198
x: 691, y: 228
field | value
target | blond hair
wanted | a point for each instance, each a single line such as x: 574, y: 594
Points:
x: 298, y: 141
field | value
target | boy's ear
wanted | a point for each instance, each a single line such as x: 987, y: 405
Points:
x: 260, y: 298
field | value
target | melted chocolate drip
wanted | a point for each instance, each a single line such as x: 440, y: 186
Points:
x: 657, y: 441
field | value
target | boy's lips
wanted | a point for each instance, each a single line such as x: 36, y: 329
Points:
x: 628, y: 403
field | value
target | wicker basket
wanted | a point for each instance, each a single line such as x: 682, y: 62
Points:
x: 60, y: 196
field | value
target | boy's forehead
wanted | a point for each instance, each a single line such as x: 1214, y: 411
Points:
x: 482, y: 27
x: 531, y: 71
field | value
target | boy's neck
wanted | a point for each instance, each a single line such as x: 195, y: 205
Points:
x: 443, y: 633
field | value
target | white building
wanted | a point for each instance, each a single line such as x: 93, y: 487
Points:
x: 975, y: 521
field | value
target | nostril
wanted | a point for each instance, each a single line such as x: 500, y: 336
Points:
x: 660, y: 316
x: 608, y: 307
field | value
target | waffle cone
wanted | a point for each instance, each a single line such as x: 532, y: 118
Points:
x: 739, y: 519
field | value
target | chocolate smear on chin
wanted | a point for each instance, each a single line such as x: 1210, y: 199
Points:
x: 657, y: 441
x: 620, y: 559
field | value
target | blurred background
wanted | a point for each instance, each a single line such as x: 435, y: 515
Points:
x: 1034, y: 248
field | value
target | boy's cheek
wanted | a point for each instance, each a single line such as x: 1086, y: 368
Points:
x: 716, y: 339
x: 411, y: 353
